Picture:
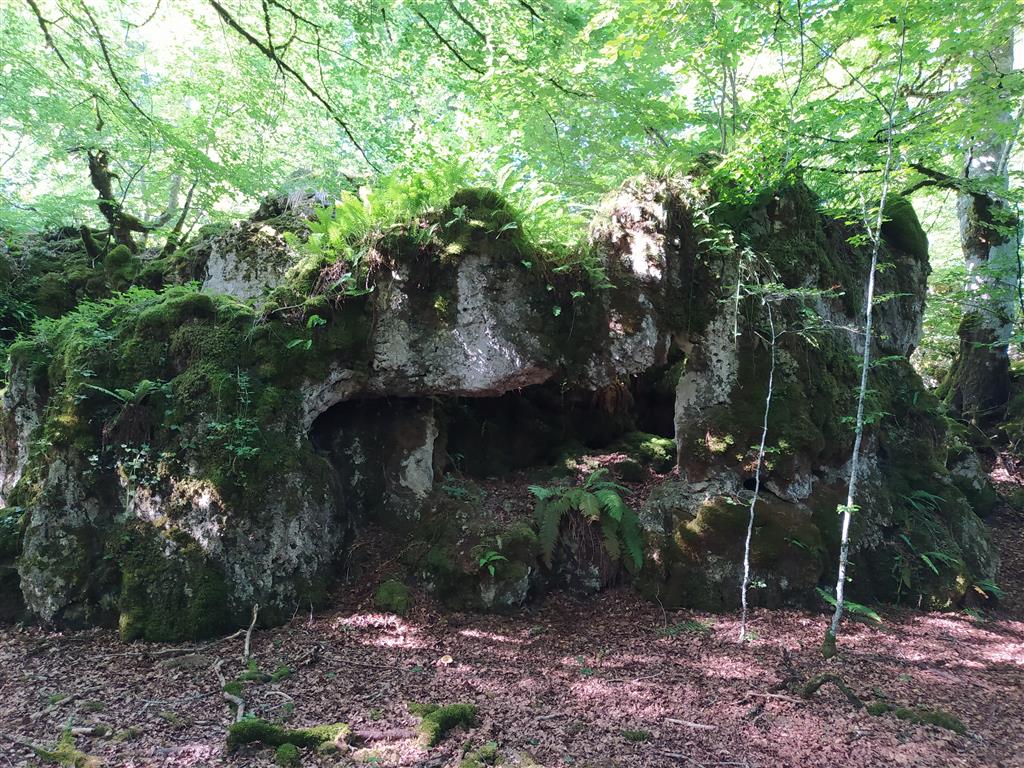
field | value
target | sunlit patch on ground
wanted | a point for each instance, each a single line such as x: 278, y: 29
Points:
x: 561, y: 686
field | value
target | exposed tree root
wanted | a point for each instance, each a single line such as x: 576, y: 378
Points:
x: 811, y: 687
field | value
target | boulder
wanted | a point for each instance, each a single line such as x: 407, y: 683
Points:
x: 198, y: 452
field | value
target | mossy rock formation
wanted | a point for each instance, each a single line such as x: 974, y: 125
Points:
x: 198, y: 450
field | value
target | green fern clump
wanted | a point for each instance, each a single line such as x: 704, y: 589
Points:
x: 599, y: 501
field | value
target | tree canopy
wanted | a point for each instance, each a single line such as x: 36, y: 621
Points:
x: 241, y: 98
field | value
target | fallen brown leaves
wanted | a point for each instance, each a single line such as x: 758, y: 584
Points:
x: 557, y: 687
x: 554, y: 686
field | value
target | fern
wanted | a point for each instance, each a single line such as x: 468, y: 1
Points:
x: 852, y: 607
x: 599, y: 501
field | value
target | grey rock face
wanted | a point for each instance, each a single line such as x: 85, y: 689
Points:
x: 20, y: 409
x: 249, y: 257
x: 372, y: 427
x: 58, y: 565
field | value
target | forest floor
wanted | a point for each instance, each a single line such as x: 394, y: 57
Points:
x: 609, y: 681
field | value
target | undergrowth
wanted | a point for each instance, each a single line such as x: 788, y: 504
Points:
x: 600, y: 502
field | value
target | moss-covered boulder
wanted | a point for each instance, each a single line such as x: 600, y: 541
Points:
x: 168, y: 487
x: 180, y: 454
x: 477, y: 563
x: 248, y: 258
x: 695, y: 548
x: 915, y: 536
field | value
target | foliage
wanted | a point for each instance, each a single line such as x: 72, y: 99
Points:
x: 488, y: 559
x: 67, y: 754
x: 598, y: 501
x: 854, y: 608
x: 571, y: 99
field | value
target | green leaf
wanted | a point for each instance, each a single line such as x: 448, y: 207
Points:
x: 589, y: 505
x: 549, y: 520
x: 849, y: 605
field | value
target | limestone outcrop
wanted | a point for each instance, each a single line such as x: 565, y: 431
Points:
x: 173, y: 455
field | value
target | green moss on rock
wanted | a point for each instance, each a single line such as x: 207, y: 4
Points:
x: 902, y: 229
x: 648, y: 450
x: 438, y: 721
x: 169, y: 592
x: 393, y: 596
x: 256, y: 731
x: 287, y: 756
x: 194, y: 397
x: 699, y: 563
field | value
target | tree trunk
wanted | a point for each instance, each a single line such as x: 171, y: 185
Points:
x: 978, y: 384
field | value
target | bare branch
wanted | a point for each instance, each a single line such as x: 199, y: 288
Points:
x: 531, y: 10
x: 447, y: 44
x: 44, y: 25
x: 284, y: 66
x: 110, y: 65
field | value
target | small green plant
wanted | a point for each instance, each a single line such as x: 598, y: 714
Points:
x: 852, y: 607
x: 988, y: 588
x: 599, y: 501
x: 453, y: 488
x: 239, y: 437
x: 636, y: 735
x: 488, y: 559
x: 142, y: 390
x: 314, y: 321
x: 280, y: 673
x: 690, y: 626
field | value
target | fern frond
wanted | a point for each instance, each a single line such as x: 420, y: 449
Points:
x: 609, y: 485
x: 539, y: 511
x: 633, y: 540
x: 611, y: 502
x: 595, y: 477
x: 610, y: 534
x: 541, y: 492
x: 590, y: 505
x: 573, y: 498
x: 562, y: 505
x: 549, y: 520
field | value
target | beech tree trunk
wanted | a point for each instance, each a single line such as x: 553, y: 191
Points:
x: 978, y: 385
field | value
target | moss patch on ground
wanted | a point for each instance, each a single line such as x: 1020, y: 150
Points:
x: 437, y: 721
x: 256, y: 731
x: 920, y: 716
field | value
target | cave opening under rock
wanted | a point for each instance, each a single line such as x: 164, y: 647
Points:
x: 388, y: 452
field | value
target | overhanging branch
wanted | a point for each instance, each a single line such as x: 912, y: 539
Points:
x: 287, y: 68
